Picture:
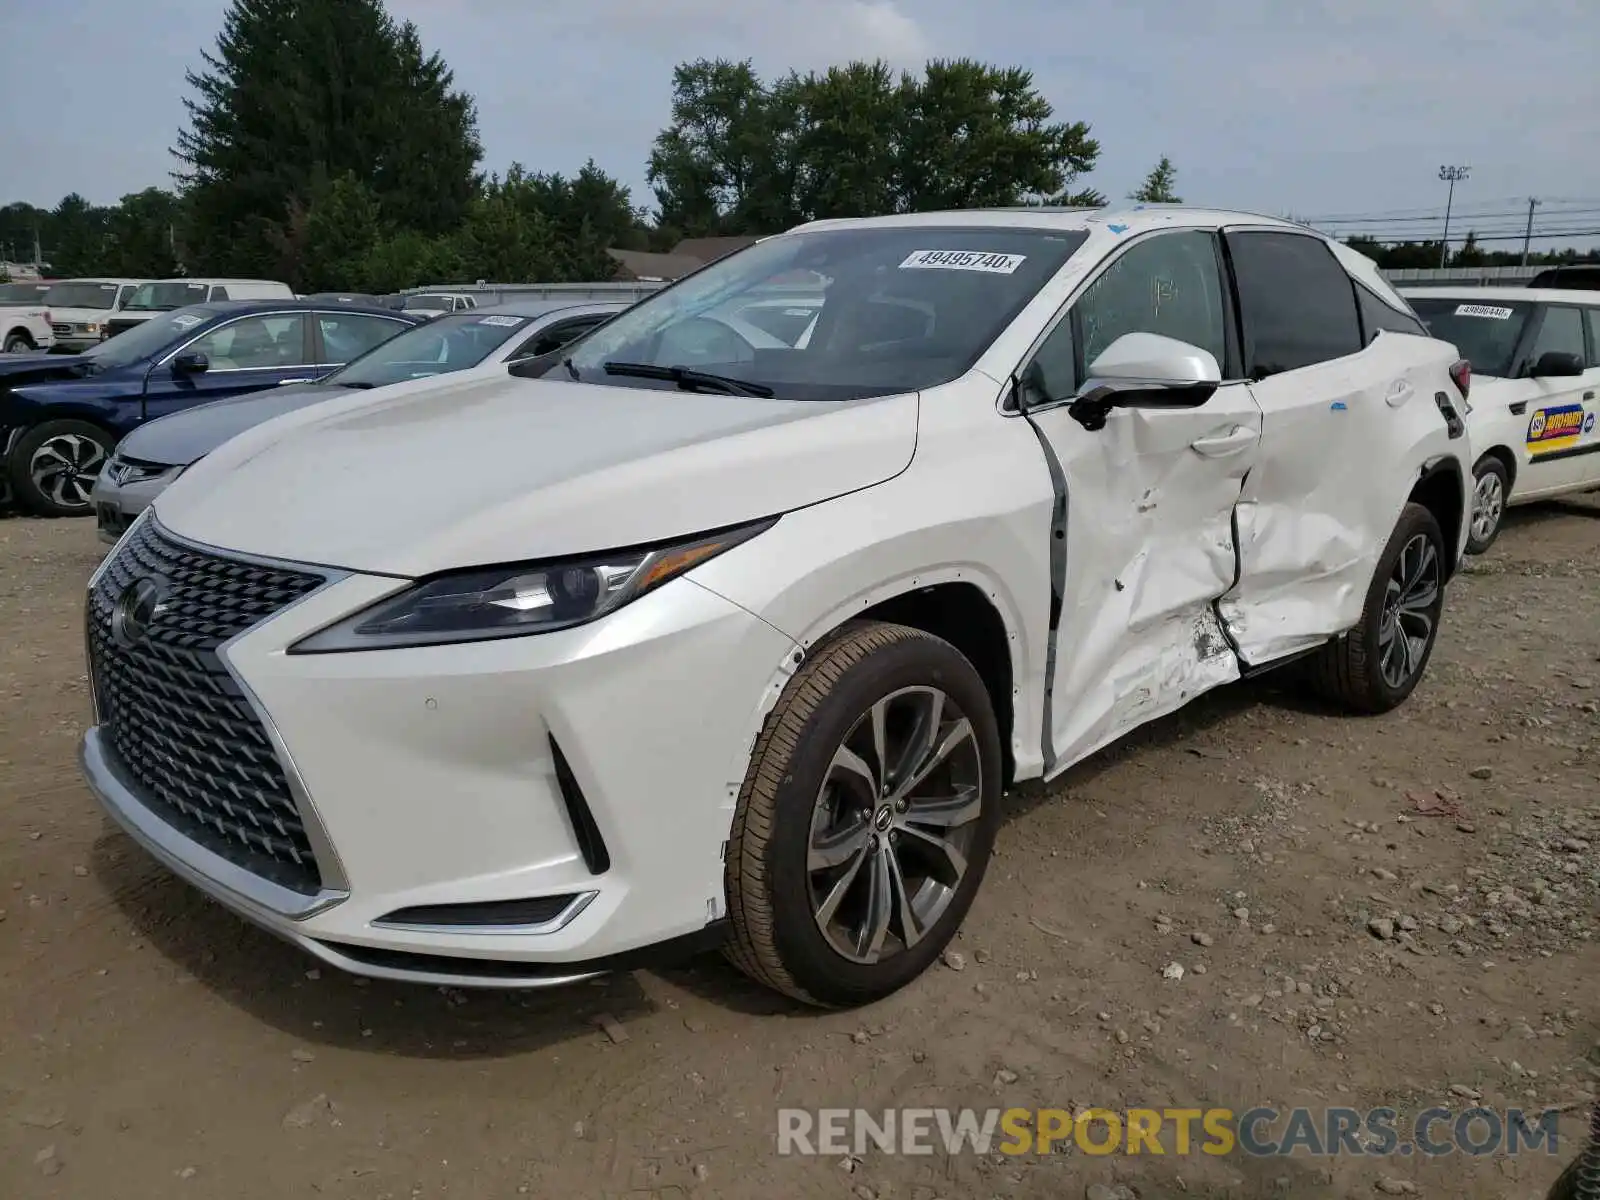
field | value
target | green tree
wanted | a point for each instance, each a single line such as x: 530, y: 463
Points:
x: 1471, y: 254
x: 1157, y: 186
x: 78, y: 239
x: 300, y: 92
x: 141, y: 240
x: 327, y: 245
x: 743, y: 157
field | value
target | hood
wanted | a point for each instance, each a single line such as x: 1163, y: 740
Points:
x: 185, y: 437
x: 17, y: 369
x: 483, y: 468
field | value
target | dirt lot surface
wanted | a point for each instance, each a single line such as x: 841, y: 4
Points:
x: 1395, y: 911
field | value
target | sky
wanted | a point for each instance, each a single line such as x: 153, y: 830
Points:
x: 1316, y: 108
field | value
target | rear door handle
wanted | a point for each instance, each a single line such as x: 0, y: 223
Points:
x: 1242, y: 438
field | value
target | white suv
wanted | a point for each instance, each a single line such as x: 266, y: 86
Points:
x: 1535, y: 423
x: 665, y: 639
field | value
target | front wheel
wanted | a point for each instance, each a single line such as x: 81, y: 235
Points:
x: 54, y: 466
x: 866, y: 818
x: 18, y: 342
x: 1375, y: 666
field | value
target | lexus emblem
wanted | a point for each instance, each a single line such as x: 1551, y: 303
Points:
x: 137, y: 609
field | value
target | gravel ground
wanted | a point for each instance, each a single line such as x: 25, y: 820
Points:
x: 1395, y: 911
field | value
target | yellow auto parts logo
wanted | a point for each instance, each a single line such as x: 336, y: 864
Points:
x: 1554, y: 428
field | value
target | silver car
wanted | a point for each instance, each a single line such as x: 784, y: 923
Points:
x: 151, y: 457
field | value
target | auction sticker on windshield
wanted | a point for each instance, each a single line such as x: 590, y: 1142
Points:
x: 1493, y: 311
x: 963, y: 260
x: 187, y: 321
x: 501, y: 321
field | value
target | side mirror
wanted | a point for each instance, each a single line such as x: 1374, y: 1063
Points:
x: 190, y: 362
x: 1557, y: 364
x: 1145, y: 370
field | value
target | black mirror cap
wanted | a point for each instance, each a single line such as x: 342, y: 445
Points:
x: 1093, y: 407
x: 1558, y: 364
x: 191, y: 362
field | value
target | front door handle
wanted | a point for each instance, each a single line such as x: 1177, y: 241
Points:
x: 1588, y: 395
x: 287, y: 382
x: 1241, y: 438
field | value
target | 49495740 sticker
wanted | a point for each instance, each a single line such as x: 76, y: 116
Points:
x: 1554, y: 428
x: 963, y: 260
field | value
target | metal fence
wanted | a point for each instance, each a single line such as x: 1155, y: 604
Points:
x: 1462, y: 276
x: 495, y: 293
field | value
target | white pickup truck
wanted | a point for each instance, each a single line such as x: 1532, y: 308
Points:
x: 24, y: 321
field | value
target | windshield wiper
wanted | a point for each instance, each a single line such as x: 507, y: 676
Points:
x: 691, y: 380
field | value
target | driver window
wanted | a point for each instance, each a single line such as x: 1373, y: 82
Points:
x: 1167, y: 284
x: 252, y: 343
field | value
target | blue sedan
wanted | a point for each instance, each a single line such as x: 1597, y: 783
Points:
x: 62, y: 415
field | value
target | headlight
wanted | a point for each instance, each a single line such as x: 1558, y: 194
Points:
x: 514, y: 601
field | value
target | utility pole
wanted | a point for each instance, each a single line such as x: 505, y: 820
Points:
x: 1527, y: 235
x: 1452, y: 176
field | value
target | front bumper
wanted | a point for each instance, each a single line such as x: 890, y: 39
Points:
x: 117, y: 504
x: 430, y: 779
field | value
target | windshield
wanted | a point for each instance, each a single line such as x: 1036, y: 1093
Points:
x: 162, y: 297
x: 147, y: 339
x: 428, y: 302
x: 22, y: 293
x: 1484, y: 333
x: 81, y: 295
x: 864, y: 311
x: 450, y: 343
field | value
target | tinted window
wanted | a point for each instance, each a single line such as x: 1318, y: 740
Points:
x: 1167, y: 284
x: 1298, y: 305
x: 219, y: 292
x: 350, y: 335
x: 1561, y: 331
x: 277, y: 340
x: 1053, y: 373
x: 22, y: 293
x: 1594, y: 336
x: 901, y: 308
x: 81, y: 295
x: 1485, y: 332
x: 444, y: 344
x: 1376, y: 316
x: 555, y: 337
x: 164, y: 297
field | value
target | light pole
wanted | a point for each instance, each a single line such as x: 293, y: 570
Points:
x: 1452, y: 176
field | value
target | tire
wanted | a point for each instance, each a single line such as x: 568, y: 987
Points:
x: 1490, y: 488
x: 774, y: 895
x: 77, y: 449
x: 1350, y: 670
x: 18, y: 342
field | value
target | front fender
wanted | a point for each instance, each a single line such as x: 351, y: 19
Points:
x: 114, y: 405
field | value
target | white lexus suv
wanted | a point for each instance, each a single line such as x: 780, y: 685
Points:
x: 667, y: 640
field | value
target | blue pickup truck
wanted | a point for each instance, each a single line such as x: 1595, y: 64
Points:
x: 62, y: 415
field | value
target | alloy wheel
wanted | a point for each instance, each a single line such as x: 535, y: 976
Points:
x: 1488, y: 503
x: 65, y: 469
x: 894, y: 824
x: 1409, y: 617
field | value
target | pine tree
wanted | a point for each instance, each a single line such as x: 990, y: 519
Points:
x: 1157, y: 186
x: 300, y: 93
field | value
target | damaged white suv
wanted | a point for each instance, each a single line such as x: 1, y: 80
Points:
x: 666, y: 639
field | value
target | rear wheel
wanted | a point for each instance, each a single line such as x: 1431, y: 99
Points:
x: 54, y: 466
x: 866, y: 818
x: 1490, y: 488
x: 1375, y: 666
x: 18, y: 342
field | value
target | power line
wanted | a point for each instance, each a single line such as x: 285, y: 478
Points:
x: 1425, y: 212
x: 1503, y: 237
x: 1457, y: 215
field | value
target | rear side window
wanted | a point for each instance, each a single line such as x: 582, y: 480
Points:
x: 1593, y: 315
x: 218, y: 292
x: 1377, y: 316
x: 1297, y: 302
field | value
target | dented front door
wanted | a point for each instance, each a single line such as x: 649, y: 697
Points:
x: 1150, y: 499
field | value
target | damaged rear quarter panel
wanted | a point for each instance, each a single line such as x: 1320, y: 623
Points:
x: 1342, y: 445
